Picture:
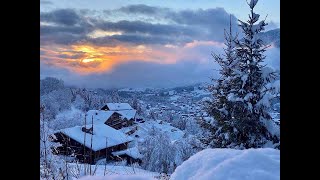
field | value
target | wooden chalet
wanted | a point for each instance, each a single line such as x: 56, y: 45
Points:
x: 114, y: 119
x: 100, y: 137
x: 91, y: 144
x: 115, y: 115
x: 120, y: 119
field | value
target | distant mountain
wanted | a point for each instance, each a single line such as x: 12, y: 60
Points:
x: 272, y: 36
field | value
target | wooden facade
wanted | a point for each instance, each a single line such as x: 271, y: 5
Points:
x: 83, y: 153
x: 115, y: 121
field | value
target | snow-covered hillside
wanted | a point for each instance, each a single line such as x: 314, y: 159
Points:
x: 222, y: 164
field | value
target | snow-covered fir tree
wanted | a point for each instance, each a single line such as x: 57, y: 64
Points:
x: 241, y: 96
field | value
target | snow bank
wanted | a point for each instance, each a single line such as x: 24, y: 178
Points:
x: 116, y: 177
x: 112, y: 170
x: 223, y: 164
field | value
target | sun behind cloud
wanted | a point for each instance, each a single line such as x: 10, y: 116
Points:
x: 88, y: 58
x: 85, y: 58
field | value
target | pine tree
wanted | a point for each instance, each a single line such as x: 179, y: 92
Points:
x: 241, y: 96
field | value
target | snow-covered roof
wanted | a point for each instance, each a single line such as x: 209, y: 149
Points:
x: 99, y: 116
x: 119, y: 106
x: 100, y: 133
x: 132, y: 152
x: 127, y: 113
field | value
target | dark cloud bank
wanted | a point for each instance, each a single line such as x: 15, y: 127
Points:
x: 71, y: 26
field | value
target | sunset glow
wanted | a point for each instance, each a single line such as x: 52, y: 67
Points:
x: 88, y: 58
x: 94, y: 59
x: 106, y: 39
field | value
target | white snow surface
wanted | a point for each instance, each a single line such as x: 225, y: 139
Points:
x: 132, y: 152
x: 99, y: 116
x: 198, y: 93
x: 272, y: 127
x: 100, y: 133
x: 231, y: 164
x: 174, y: 97
x: 119, y: 106
x: 118, y: 173
x: 127, y: 113
x: 173, y: 133
x: 116, y: 177
x: 206, y: 99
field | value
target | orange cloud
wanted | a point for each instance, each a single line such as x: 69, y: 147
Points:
x: 89, y: 58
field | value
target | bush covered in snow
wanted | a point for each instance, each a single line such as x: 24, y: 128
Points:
x: 51, y: 166
x: 158, y: 153
x: 67, y: 119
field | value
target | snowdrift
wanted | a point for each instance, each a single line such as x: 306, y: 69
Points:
x: 116, y: 177
x: 231, y: 164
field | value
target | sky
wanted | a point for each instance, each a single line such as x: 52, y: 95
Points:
x: 140, y: 43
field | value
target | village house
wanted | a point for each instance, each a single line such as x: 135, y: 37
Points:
x: 91, y: 143
x: 115, y: 115
x: 100, y: 138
